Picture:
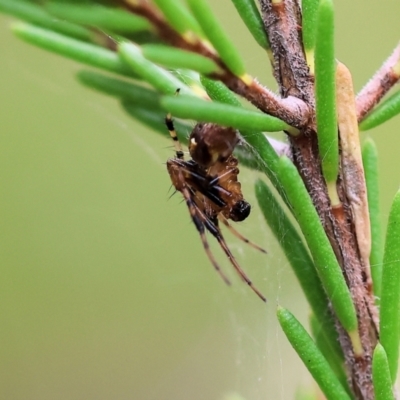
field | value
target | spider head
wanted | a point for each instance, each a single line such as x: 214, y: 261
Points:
x: 240, y: 211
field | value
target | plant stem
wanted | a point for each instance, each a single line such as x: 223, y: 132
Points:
x: 281, y: 20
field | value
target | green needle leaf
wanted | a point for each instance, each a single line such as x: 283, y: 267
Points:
x: 140, y: 95
x: 309, y: 10
x: 158, y: 77
x: 390, y: 296
x: 250, y: 15
x: 267, y: 159
x: 381, y: 375
x: 325, y: 92
x: 75, y: 49
x: 222, y: 114
x: 100, y: 17
x: 386, y: 110
x: 324, y: 258
x: 299, y: 259
x: 187, y: 76
x: 36, y: 15
x: 311, y: 356
x: 179, y: 17
x: 219, y: 92
x: 219, y: 39
x: 175, y: 58
x: 370, y: 162
x: 334, y: 358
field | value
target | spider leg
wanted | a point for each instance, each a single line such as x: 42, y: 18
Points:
x: 219, y: 177
x: 171, y: 129
x: 239, y: 235
x: 198, y: 219
x: 213, y: 228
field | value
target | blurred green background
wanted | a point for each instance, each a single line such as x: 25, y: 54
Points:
x: 105, y: 290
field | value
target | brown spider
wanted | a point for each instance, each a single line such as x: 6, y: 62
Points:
x: 209, y: 185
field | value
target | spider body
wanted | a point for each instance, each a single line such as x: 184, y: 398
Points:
x: 215, y: 189
x: 209, y: 184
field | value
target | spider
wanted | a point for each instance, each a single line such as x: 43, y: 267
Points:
x: 209, y: 185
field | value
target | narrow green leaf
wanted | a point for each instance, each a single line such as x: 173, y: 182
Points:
x: 325, y: 92
x: 191, y: 79
x: 158, y: 77
x: 156, y: 120
x: 96, y: 15
x: 223, y: 114
x: 334, y: 358
x: 219, y: 92
x: 187, y: 76
x: 386, y: 110
x: 250, y: 15
x: 146, y: 98
x: 381, y: 375
x: 299, y: 259
x: 324, y: 258
x: 267, y: 159
x: 75, y: 49
x: 179, y: 17
x: 309, y: 10
x: 390, y: 296
x: 219, y: 39
x: 176, y: 58
x: 311, y: 356
x: 35, y: 14
x: 370, y: 162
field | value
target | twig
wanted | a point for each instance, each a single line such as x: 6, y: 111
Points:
x: 383, y: 80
